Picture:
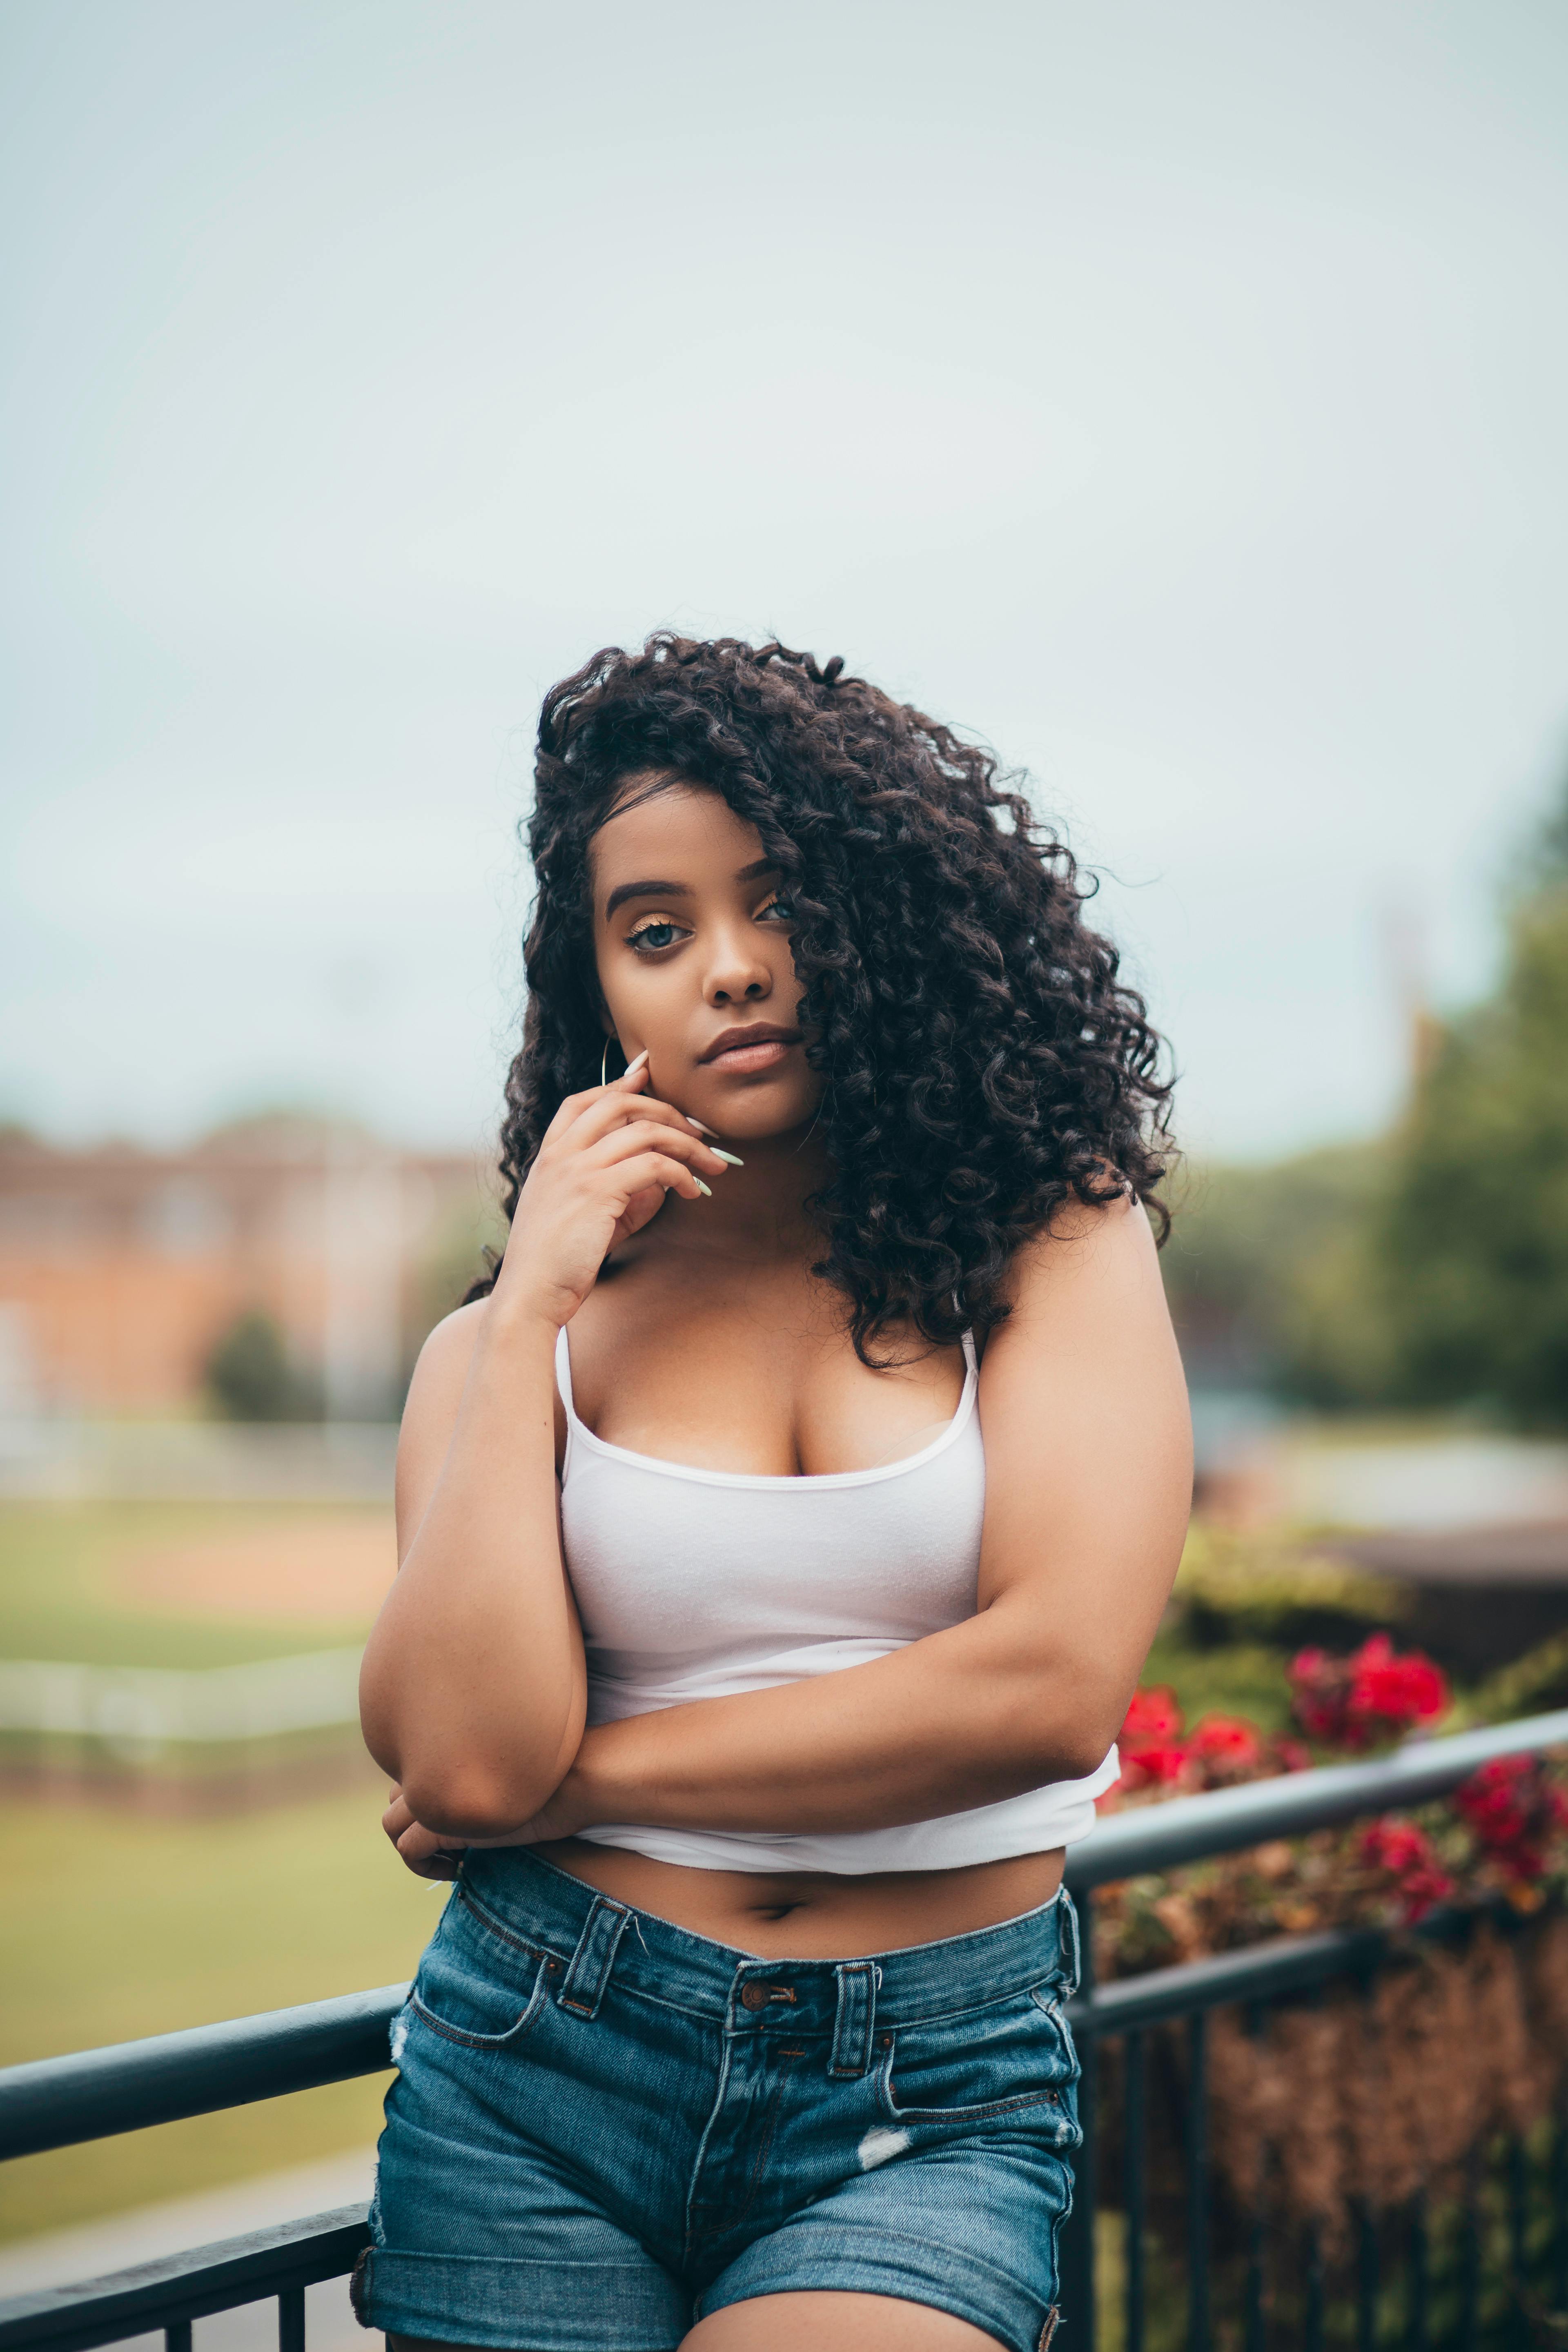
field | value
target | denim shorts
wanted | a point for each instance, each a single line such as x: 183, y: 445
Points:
x: 605, y: 2127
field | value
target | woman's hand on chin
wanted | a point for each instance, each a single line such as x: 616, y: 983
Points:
x: 430, y: 1854
x: 609, y: 1158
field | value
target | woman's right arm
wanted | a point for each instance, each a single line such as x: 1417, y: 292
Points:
x: 472, y: 1690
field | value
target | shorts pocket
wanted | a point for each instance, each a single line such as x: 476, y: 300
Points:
x: 1011, y: 2058
x: 483, y: 2008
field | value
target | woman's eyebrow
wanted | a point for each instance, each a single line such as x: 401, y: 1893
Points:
x: 656, y: 889
x: 625, y: 890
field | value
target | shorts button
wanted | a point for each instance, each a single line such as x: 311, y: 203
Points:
x: 754, y: 1996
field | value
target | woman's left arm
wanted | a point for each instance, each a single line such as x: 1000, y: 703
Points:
x: 1087, y: 1487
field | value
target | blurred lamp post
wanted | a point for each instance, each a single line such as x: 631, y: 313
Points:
x: 363, y: 1238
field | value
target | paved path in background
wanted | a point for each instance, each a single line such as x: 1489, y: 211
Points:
x: 151, y: 2230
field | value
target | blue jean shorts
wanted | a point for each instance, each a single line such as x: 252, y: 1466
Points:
x: 605, y: 2127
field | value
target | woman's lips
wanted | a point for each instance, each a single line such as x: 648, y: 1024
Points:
x: 739, y: 1059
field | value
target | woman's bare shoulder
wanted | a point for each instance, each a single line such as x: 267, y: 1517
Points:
x: 1082, y: 1294
x: 443, y: 1359
x: 1086, y: 1245
x: 435, y: 1394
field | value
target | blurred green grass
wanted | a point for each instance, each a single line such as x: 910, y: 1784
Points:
x: 118, y: 1924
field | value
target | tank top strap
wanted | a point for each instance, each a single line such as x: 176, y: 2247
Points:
x: 563, y: 1372
x: 970, y: 1357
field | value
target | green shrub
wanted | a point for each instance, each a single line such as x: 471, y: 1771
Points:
x: 1262, y: 1589
x: 250, y: 1376
x: 1533, y: 1684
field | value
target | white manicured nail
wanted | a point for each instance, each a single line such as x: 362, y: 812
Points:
x: 697, y: 1123
x: 633, y: 1067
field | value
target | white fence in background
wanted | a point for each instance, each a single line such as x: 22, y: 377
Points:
x: 195, y: 1461
x: 135, y: 1710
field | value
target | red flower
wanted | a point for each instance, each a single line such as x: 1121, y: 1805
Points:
x: 1154, y: 1766
x: 1356, y: 1701
x: 1227, y: 1740
x: 1154, y: 1713
x: 1319, y: 1686
x: 1400, y: 1691
x: 1395, y: 1846
x: 1405, y: 1853
x: 1515, y: 1813
x: 1421, y: 1890
x: 1225, y: 1749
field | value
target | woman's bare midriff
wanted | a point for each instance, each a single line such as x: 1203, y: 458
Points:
x: 815, y: 1914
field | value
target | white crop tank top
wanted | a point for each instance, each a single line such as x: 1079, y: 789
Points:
x: 697, y: 1583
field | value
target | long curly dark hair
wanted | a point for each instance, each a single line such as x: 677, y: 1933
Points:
x: 983, y: 1064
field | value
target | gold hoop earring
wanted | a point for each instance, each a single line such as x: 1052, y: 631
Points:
x: 604, y: 1064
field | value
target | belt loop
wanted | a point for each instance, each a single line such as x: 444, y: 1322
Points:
x: 857, y: 2016
x: 1067, y: 1933
x: 595, y: 1957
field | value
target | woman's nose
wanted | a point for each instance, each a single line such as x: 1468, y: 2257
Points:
x: 736, y: 974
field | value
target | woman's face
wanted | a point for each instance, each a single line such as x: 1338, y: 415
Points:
x: 692, y: 945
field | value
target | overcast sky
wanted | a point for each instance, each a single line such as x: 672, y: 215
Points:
x: 1173, y: 394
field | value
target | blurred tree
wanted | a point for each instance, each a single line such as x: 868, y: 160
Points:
x: 454, y: 1258
x: 1431, y: 1266
x: 1272, y: 1278
x: 251, y: 1377
x: 1474, y: 1232
x: 1548, y: 864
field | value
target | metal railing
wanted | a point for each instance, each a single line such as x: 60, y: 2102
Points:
x: 1162, y: 1837
x: 62, y: 2101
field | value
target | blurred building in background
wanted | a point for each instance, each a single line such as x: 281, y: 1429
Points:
x: 285, y: 1268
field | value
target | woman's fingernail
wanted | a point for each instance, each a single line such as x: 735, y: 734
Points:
x: 728, y: 1156
x: 633, y: 1067
x: 705, y: 1190
x: 697, y: 1123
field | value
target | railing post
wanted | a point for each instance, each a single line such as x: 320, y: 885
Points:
x: 1366, y: 2281
x: 1470, y: 2251
x: 292, y: 2320
x: 1312, y: 2289
x: 1420, y: 2276
x: 1198, y: 2162
x: 1518, y: 2176
x: 1135, y: 2129
x: 1254, y: 2330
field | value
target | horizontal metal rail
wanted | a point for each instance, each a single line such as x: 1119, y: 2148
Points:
x: 1256, y: 1972
x: 59, y: 2102
x: 170, y: 2294
x: 1191, y: 1829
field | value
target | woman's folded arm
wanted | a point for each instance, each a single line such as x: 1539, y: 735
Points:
x: 1088, y: 1483
x: 472, y: 1691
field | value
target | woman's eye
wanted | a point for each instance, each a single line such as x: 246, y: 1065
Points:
x: 777, y: 909
x: 653, y: 936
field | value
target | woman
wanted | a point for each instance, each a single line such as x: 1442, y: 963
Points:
x: 821, y: 1447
